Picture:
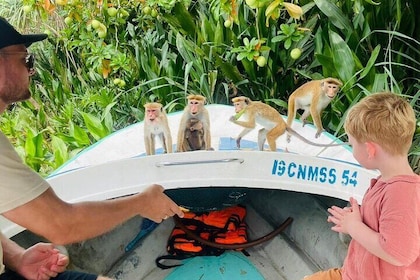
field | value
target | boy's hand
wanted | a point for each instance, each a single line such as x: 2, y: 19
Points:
x: 345, y: 218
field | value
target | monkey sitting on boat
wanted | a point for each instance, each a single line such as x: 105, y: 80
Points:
x: 156, y: 125
x: 196, y: 116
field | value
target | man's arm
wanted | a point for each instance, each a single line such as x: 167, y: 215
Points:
x: 63, y: 223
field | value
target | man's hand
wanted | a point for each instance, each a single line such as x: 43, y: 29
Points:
x: 42, y: 262
x: 157, y: 206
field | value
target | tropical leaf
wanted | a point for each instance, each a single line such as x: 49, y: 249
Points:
x: 342, y: 57
x: 60, y: 151
x: 371, y: 63
x: 95, y: 126
x: 335, y: 15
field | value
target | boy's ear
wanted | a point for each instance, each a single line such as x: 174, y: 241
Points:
x: 371, y: 149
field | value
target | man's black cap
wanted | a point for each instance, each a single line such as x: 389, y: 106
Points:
x: 9, y: 36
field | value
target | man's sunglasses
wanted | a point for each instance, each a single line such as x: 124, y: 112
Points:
x: 29, y: 60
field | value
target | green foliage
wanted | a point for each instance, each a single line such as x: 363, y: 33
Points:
x: 289, y: 33
x: 249, y: 50
x: 105, y: 59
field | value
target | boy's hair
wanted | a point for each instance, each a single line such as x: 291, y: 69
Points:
x: 384, y: 118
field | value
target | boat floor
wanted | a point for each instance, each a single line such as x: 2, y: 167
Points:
x: 305, y: 246
x: 288, y: 260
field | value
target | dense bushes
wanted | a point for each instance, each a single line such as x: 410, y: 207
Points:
x: 104, y: 59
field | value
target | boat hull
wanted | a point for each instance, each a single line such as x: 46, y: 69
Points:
x: 298, y: 181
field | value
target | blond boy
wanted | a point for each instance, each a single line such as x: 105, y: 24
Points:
x: 385, y: 230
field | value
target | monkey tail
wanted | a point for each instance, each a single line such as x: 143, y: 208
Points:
x: 295, y: 133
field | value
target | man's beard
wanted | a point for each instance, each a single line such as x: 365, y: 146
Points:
x: 12, y: 94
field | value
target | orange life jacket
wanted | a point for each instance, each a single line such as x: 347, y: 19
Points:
x: 225, y: 226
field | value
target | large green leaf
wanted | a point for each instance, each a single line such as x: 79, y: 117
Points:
x: 187, y: 71
x: 342, y: 57
x: 335, y: 15
x: 60, y: 151
x: 371, y: 62
x: 80, y: 136
x: 327, y: 63
x: 30, y: 144
x: 95, y: 126
x: 185, y: 19
x: 229, y: 70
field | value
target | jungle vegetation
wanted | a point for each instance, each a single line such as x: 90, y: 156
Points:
x: 105, y: 58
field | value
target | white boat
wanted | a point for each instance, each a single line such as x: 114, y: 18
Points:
x: 299, y: 181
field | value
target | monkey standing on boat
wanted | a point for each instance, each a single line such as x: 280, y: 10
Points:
x: 194, y: 110
x: 312, y: 97
x: 256, y: 112
x: 156, y: 124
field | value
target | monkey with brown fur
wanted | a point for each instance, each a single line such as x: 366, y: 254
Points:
x: 156, y: 124
x: 256, y: 112
x: 312, y: 97
x: 194, y: 110
x: 194, y: 135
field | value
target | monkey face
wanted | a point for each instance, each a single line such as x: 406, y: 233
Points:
x: 331, y: 89
x: 239, y: 106
x: 152, y: 114
x: 194, y: 106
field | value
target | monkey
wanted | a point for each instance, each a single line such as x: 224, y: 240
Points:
x: 194, y: 135
x: 156, y: 124
x: 265, y: 115
x: 312, y: 97
x: 194, y: 110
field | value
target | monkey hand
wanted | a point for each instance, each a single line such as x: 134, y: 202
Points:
x: 239, y: 114
x: 232, y: 119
